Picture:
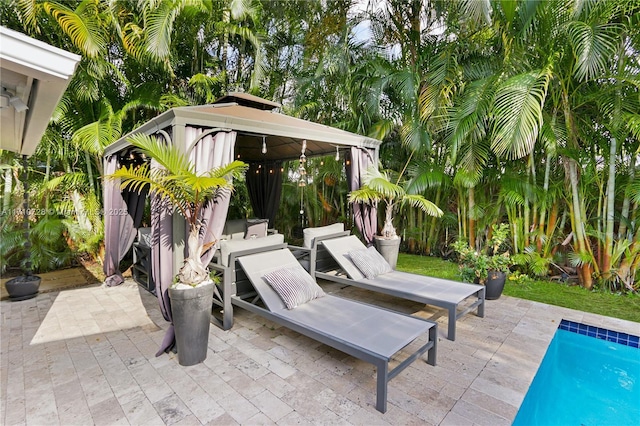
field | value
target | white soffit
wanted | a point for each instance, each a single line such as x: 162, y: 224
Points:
x: 36, y: 73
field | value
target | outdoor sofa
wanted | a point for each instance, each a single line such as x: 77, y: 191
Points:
x: 445, y: 294
x: 366, y: 332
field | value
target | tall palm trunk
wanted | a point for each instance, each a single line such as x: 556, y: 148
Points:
x: 626, y: 203
x: 611, y: 187
x: 584, y: 270
x: 543, y: 207
x: 432, y: 224
x: 472, y: 217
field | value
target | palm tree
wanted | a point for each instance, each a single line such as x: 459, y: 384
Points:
x: 555, y: 57
x: 179, y: 184
x: 378, y: 187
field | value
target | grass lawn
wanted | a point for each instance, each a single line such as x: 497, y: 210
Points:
x: 598, y: 302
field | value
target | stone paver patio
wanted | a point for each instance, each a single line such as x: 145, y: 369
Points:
x: 86, y: 356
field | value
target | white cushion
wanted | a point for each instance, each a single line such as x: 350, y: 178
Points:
x: 294, y: 285
x: 235, y: 236
x: 370, y: 262
x: 233, y: 246
x: 311, y: 233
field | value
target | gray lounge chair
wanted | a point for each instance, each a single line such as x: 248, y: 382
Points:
x: 225, y: 263
x: 366, y: 332
x: 418, y: 288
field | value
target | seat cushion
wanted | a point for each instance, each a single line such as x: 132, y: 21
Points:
x: 311, y: 233
x: 294, y: 285
x: 233, y: 246
x: 369, y: 262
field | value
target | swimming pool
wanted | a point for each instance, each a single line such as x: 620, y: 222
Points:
x: 589, y: 376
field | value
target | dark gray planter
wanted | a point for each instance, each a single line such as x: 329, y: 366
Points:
x: 23, y: 287
x: 191, y: 311
x: 495, y: 284
x: 388, y: 248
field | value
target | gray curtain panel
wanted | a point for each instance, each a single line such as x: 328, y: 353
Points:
x: 162, y: 261
x: 211, y: 152
x: 364, y: 216
x: 119, y: 227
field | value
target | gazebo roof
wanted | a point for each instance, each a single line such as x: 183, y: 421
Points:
x: 254, y: 118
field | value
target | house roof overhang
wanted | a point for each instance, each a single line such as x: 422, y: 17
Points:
x: 245, y: 114
x: 33, y: 76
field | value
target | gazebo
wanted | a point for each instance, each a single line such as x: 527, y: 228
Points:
x: 236, y: 126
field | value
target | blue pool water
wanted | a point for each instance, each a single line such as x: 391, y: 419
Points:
x: 584, y: 380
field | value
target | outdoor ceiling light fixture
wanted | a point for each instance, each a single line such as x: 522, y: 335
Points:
x: 337, y: 154
x: 10, y: 99
x: 17, y: 103
x: 264, y: 145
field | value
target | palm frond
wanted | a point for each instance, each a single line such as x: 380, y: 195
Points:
x: 28, y: 12
x: 159, y: 27
x: 81, y: 25
x: 423, y: 204
x: 479, y: 11
x: 167, y: 156
x: 593, y: 45
x: 380, y: 182
x: 365, y: 195
x: 518, y: 113
x: 577, y: 259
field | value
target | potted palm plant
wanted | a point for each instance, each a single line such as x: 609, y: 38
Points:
x: 379, y: 187
x: 177, y: 182
x: 25, y: 286
x: 489, y: 267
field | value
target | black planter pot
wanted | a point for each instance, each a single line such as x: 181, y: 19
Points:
x: 191, y: 310
x: 495, y: 284
x: 23, y: 287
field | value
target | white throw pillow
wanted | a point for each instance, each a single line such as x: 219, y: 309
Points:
x: 369, y: 262
x: 294, y: 285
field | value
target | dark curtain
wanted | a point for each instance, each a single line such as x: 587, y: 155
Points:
x: 264, y: 184
x: 364, y: 216
x: 123, y: 212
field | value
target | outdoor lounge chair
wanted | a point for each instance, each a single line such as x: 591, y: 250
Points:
x: 225, y: 263
x: 366, y: 332
x: 418, y: 288
x: 307, y: 255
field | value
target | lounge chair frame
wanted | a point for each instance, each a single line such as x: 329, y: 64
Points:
x: 336, y: 273
x: 306, y: 254
x: 250, y: 301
